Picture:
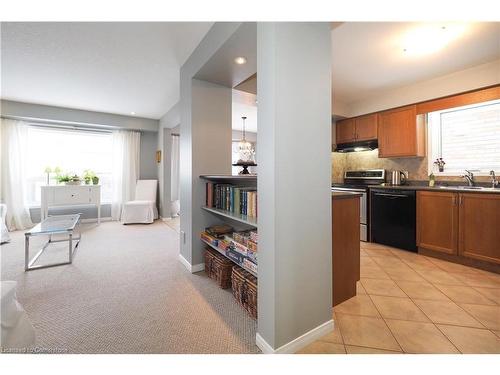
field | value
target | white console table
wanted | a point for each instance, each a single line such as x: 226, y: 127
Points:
x: 70, y: 195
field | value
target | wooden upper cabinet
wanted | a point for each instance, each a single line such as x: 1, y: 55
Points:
x: 401, y: 133
x: 366, y: 127
x: 345, y: 131
x: 361, y: 128
x: 480, y: 226
x: 437, y: 221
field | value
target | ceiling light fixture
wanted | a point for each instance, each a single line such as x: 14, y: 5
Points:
x: 430, y: 38
x: 240, y: 60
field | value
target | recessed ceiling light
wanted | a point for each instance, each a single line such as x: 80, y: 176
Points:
x: 429, y: 38
x: 132, y: 113
x: 240, y: 60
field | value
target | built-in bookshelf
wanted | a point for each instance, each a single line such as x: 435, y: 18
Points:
x: 232, y: 211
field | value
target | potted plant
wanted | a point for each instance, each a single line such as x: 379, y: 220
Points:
x: 440, y: 164
x: 95, y: 180
x: 63, y: 178
x: 88, y: 176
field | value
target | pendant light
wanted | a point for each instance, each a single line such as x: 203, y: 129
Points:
x: 245, y: 149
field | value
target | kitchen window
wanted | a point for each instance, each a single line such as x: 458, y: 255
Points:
x: 465, y: 137
x: 73, y: 151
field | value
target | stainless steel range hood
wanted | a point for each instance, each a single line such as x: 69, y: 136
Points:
x: 357, y: 146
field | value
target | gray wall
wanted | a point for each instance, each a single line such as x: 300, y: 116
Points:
x: 148, y: 168
x: 30, y: 111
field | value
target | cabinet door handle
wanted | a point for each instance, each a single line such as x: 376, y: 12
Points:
x: 461, y: 203
x: 454, y: 200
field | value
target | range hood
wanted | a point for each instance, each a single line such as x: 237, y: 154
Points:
x: 357, y: 146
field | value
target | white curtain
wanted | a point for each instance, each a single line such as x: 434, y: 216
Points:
x: 14, y: 136
x: 126, y: 159
x: 175, y: 178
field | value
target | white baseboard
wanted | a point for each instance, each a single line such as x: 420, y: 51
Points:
x: 193, y: 268
x: 298, y: 343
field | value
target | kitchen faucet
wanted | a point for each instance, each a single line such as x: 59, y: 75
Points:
x: 494, y: 182
x: 469, y: 177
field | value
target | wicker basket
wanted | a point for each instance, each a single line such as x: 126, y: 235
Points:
x: 244, y: 287
x: 218, y: 268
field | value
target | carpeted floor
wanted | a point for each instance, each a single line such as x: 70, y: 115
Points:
x: 126, y: 292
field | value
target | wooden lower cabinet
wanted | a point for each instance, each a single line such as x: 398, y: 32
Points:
x: 463, y: 227
x: 479, y: 225
x: 345, y: 247
x: 437, y: 221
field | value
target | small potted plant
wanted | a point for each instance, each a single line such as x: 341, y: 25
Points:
x: 63, y: 178
x: 88, y: 176
x: 95, y: 180
x: 74, y: 180
x: 440, y: 164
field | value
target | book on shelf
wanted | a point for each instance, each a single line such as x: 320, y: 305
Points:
x: 235, y: 199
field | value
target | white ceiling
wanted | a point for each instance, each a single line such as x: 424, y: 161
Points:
x: 368, y: 57
x: 108, y: 67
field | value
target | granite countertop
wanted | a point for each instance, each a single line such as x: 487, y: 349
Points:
x: 443, y: 188
x: 345, y: 195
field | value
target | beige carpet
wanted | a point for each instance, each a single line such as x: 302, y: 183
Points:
x: 126, y: 292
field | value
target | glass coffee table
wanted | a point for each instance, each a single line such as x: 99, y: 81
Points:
x: 60, y: 224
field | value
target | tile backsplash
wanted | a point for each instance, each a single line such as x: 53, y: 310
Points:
x: 417, y: 167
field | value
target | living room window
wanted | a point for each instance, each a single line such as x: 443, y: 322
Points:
x: 465, y: 137
x: 73, y: 151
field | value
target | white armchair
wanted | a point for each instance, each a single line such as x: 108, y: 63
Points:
x: 143, y: 209
x: 4, y: 233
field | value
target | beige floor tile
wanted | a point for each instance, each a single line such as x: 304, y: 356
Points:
x: 321, y: 347
x: 480, y: 280
x: 446, y: 312
x: 351, y: 349
x: 454, y: 267
x: 472, y: 340
x: 359, y: 288
x: 334, y: 337
x: 363, y: 253
x: 497, y: 333
x: 367, y: 262
x: 418, y: 337
x: 358, y: 305
x: 398, y: 308
x: 388, y: 262
x: 488, y: 315
x: 439, y: 276
x: 378, y: 252
x: 422, y: 265
x: 403, y: 273
x: 382, y: 287
x: 464, y: 294
x: 373, y: 273
x: 405, y: 255
x: 367, y: 332
x: 490, y: 293
x: 421, y: 290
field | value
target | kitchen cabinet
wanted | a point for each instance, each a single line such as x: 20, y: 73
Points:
x: 401, y: 133
x: 479, y: 223
x: 366, y: 127
x: 345, y: 131
x: 437, y: 221
x: 361, y: 128
x: 345, y: 246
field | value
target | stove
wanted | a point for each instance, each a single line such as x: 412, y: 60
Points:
x: 359, y: 181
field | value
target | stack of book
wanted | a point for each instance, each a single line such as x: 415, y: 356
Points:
x: 237, y: 246
x: 238, y: 200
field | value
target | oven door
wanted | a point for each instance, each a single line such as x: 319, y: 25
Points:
x: 363, y: 210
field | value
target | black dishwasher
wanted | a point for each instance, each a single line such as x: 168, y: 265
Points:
x: 393, y: 218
